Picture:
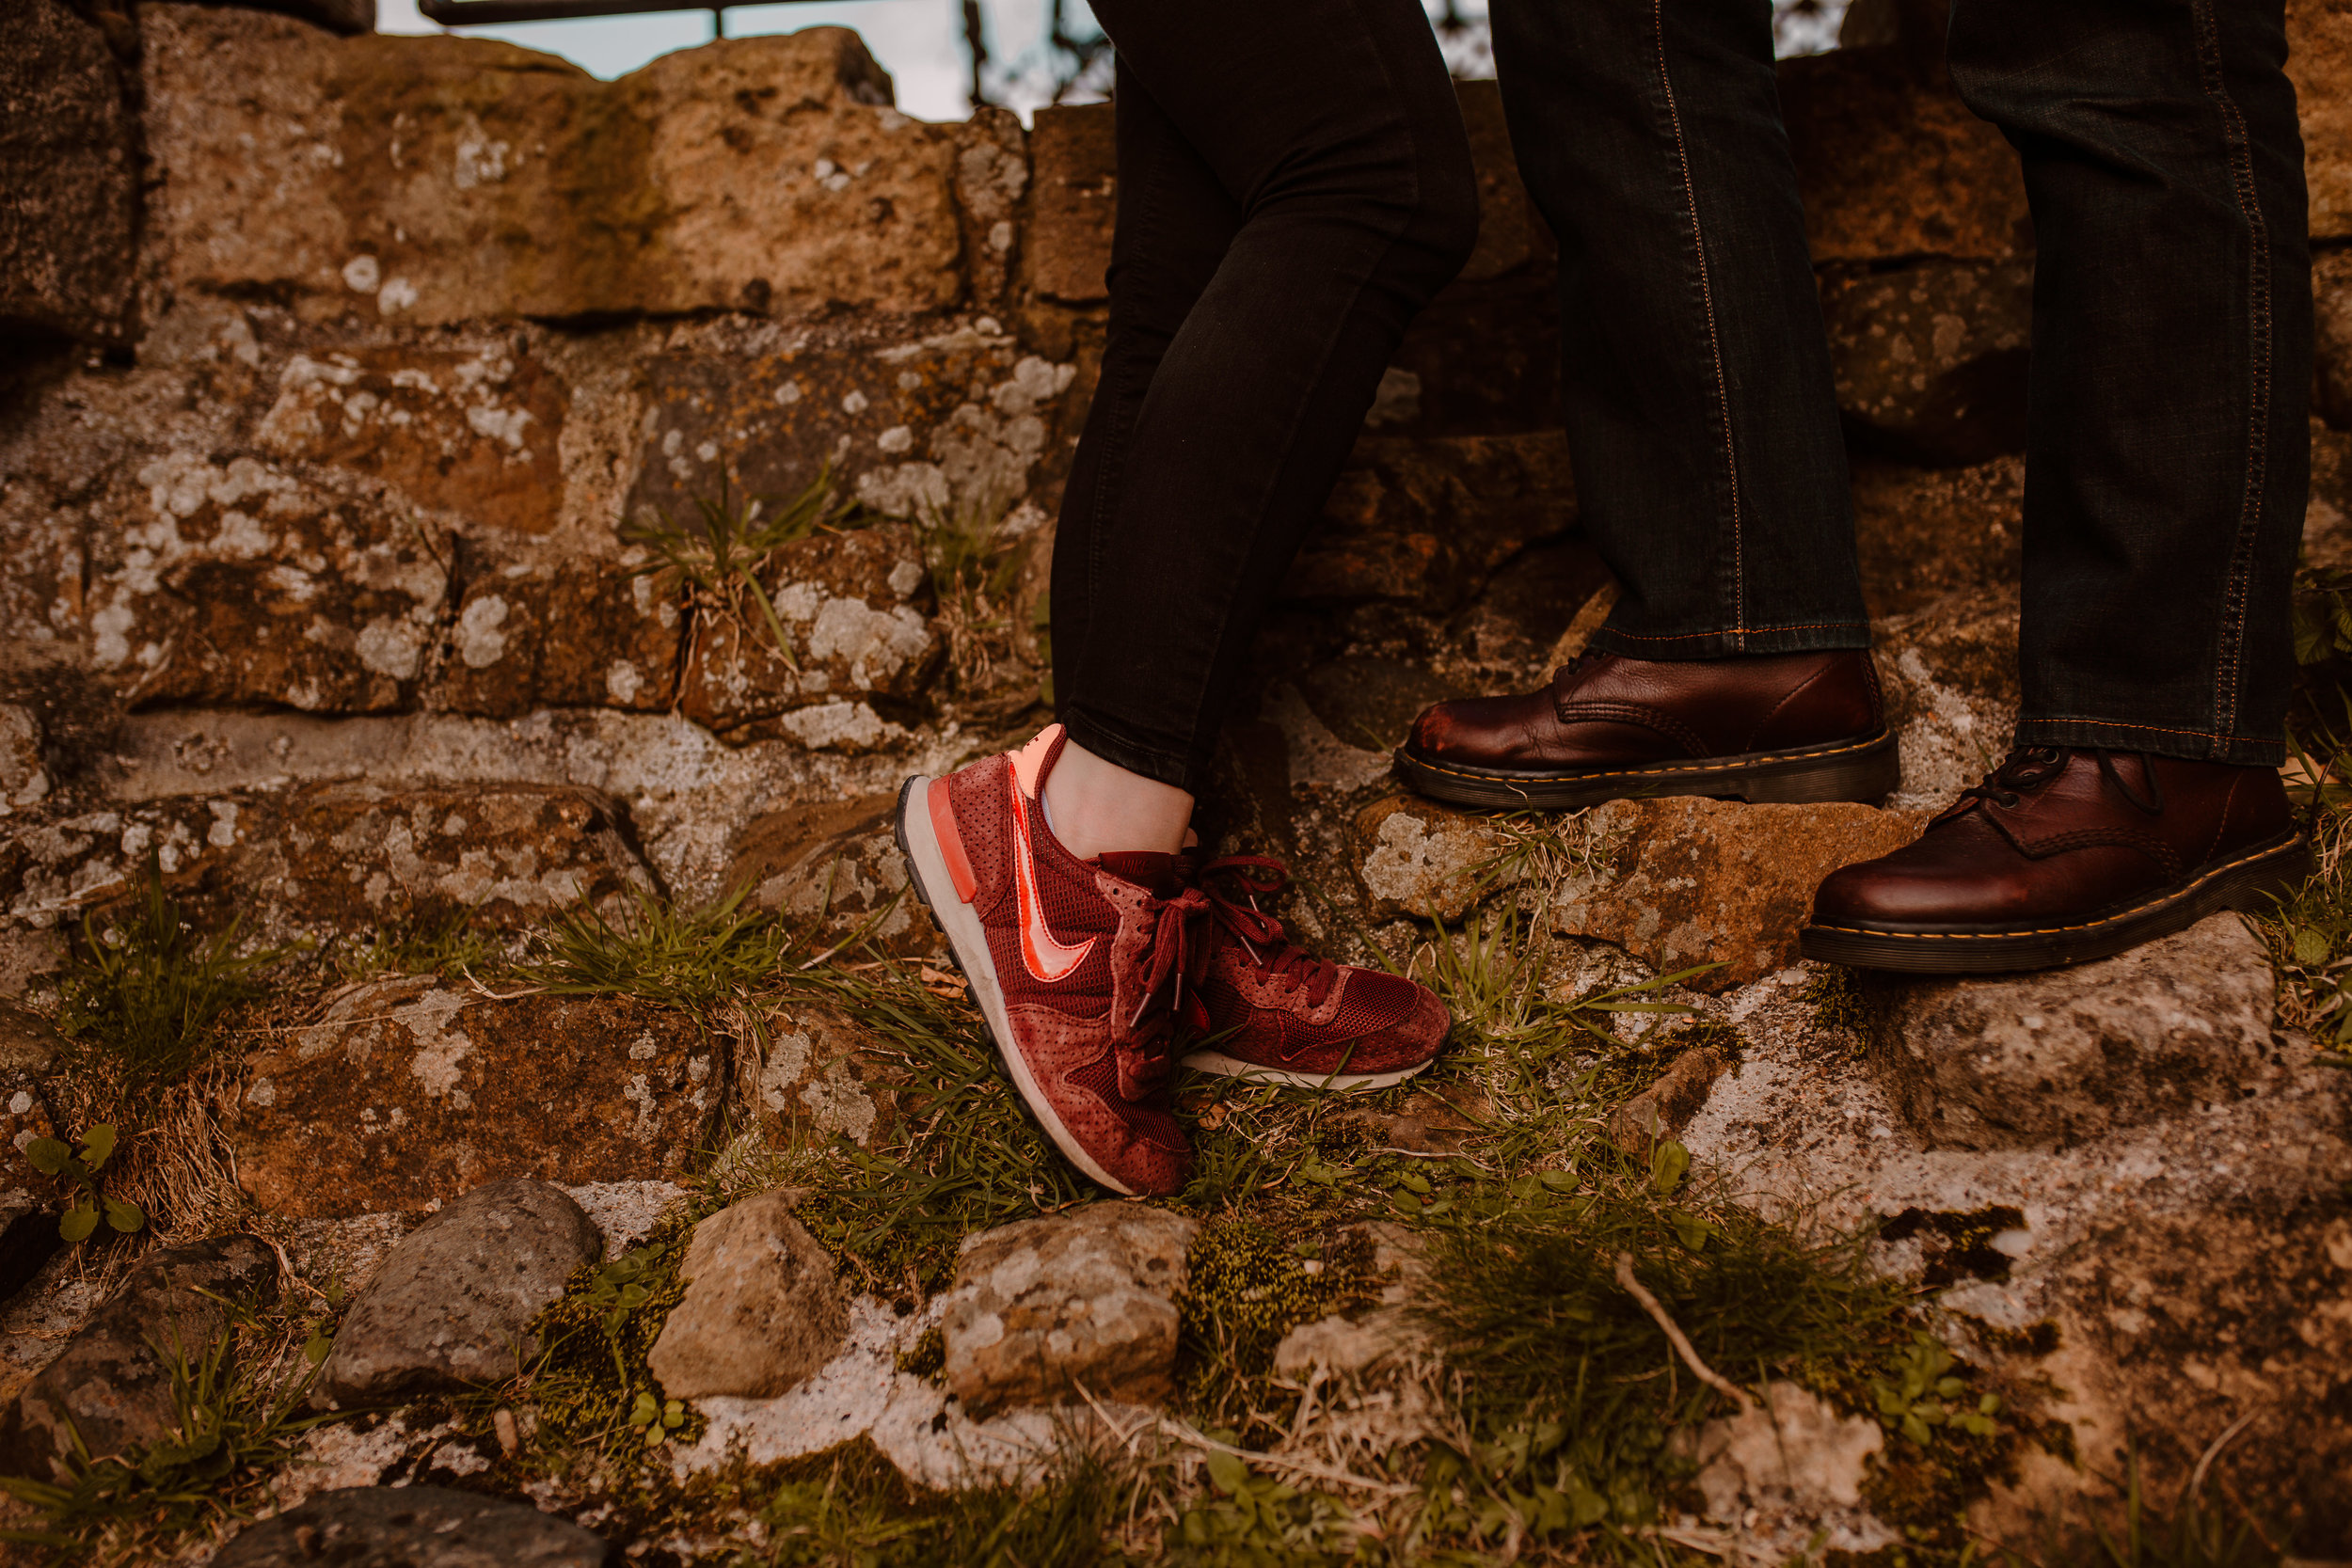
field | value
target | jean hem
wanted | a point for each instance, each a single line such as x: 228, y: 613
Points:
x: 2157, y: 740
x: 1825, y: 636
x: 1161, y: 766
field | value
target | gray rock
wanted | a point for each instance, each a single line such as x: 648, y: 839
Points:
x: 761, y: 1310
x: 1931, y: 360
x: 453, y: 1303
x: 1086, y: 1297
x: 415, y: 1527
x: 69, y: 193
x: 2065, y: 1055
x: 110, y: 1381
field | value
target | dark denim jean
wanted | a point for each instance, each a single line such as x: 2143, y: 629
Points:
x: 2169, y: 452
x: 1295, y: 184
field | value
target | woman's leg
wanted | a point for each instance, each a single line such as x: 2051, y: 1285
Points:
x: 1175, y: 223
x: 1331, y: 130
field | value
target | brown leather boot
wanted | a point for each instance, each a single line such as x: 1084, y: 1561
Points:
x: 2062, y: 856
x: 1759, y: 727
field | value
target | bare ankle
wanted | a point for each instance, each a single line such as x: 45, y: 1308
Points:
x: 1097, y: 807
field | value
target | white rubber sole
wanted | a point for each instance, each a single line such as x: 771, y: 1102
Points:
x: 968, y: 940
x: 1232, y: 1066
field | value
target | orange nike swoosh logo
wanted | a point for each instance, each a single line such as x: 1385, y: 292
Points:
x: 1046, y: 958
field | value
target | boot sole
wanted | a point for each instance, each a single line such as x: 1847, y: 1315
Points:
x: 1866, y: 770
x: 1222, y: 1065
x: 2249, y: 883
x: 967, y: 942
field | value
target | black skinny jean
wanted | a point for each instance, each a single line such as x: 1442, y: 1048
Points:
x: 2169, y: 452
x: 1294, y: 185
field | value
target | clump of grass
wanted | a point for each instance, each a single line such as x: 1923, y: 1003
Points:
x: 716, y: 560
x: 679, y: 958
x: 237, y: 1407
x: 149, y: 991
x: 967, y: 1156
x: 450, y: 946
x: 851, y: 1506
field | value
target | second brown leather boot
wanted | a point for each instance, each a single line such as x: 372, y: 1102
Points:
x: 1785, y: 727
x: 2064, y: 855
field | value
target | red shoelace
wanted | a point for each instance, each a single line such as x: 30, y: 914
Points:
x: 1259, y: 932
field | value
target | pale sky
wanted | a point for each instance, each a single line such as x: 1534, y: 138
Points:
x: 920, y: 42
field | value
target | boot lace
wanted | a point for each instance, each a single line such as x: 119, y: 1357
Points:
x: 1275, y: 954
x: 2031, y: 767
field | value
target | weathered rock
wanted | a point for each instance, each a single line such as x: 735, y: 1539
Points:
x: 761, y: 1309
x: 440, y: 180
x: 947, y: 430
x: 451, y: 1306
x: 2191, y: 1323
x: 1344, y: 1347
x: 1789, y: 1453
x: 1667, y: 1106
x: 69, y: 181
x: 24, y: 772
x: 110, y: 1381
x: 474, y: 430
x: 408, y: 1092
x: 2320, y: 63
x: 1930, y: 359
x: 560, y: 634
x: 28, y: 1238
x: 823, y: 1076
x: 1421, y: 860
x: 239, y: 583
x: 2061, y: 1055
x: 29, y: 1048
x: 1683, y: 881
x: 834, y: 869
x: 1424, y: 523
x: 1370, y: 702
x: 2328, y: 518
x: 853, y: 605
x: 1925, y: 533
x: 1082, y: 1298
x: 407, y: 1527
x: 1074, y: 198
x: 339, y: 859
x: 2331, y: 303
x: 1949, y: 673
x: 1894, y: 165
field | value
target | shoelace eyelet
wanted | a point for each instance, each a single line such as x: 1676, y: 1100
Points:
x: 2006, y: 799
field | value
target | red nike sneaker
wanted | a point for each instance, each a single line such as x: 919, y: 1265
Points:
x: 1077, y: 965
x: 1267, y: 1009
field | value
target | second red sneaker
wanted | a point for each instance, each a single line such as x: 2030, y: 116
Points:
x: 1265, y: 1008
x: 1077, y: 965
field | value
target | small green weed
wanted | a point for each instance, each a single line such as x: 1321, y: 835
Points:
x: 850, y: 1508
x: 148, y: 989
x: 77, y: 1165
x: 592, y: 1383
x: 236, y: 1410
x: 1246, y: 1520
x: 718, y: 564
x: 1924, y: 1395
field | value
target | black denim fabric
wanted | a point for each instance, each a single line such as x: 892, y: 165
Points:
x: 2172, y: 364
x: 2169, y: 451
x: 1293, y: 184
x: 1710, y: 472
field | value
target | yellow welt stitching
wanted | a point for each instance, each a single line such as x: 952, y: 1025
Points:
x: 2058, y: 930
x: 1642, y: 772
